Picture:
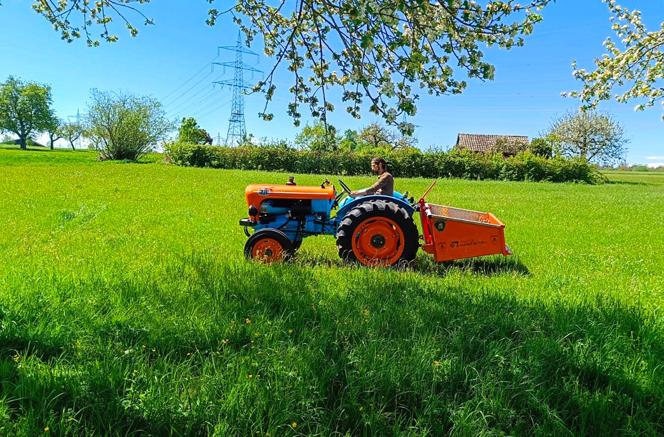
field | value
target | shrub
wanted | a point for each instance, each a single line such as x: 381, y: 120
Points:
x: 126, y: 126
x: 408, y: 162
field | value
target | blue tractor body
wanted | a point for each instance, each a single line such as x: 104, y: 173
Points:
x: 372, y: 229
x: 315, y: 222
x: 316, y: 218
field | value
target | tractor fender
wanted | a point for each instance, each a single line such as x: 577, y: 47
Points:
x: 359, y: 200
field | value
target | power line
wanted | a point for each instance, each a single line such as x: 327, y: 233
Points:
x: 172, y: 101
x: 206, y: 65
x: 194, y: 98
x: 212, y: 108
x: 203, y: 104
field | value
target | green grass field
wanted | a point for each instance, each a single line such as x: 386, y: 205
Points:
x: 126, y: 307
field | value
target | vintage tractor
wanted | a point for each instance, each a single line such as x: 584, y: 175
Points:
x: 374, y: 230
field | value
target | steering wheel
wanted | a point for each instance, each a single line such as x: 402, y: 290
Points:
x: 345, y: 190
x: 345, y: 187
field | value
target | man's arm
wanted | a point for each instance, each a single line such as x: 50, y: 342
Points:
x: 379, y: 185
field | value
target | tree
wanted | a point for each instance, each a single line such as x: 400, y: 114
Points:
x: 94, y: 141
x: 509, y: 146
x: 72, y: 131
x: 635, y: 62
x: 25, y: 108
x: 53, y: 129
x: 190, y: 132
x: 350, y: 141
x: 589, y: 135
x: 543, y: 147
x: 126, y: 126
x: 376, y: 136
x: 320, y: 137
x: 371, y: 50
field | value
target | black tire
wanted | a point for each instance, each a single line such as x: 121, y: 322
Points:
x: 270, y: 238
x: 371, y: 211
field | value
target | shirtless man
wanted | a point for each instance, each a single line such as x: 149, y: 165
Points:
x: 385, y: 183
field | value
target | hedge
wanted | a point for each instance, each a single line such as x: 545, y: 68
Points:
x: 402, y: 163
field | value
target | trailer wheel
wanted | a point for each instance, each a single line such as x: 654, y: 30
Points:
x: 378, y: 233
x: 268, y: 245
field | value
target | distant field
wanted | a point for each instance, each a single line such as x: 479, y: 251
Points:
x: 126, y: 307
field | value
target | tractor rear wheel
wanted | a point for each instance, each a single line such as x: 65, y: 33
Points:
x: 378, y: 233
x: 268, y: 245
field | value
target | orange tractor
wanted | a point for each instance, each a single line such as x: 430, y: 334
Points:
x: 374, y: 230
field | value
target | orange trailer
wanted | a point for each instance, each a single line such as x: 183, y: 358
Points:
x: 453, y: 233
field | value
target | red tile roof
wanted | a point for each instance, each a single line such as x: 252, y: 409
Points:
x: 484, y: 143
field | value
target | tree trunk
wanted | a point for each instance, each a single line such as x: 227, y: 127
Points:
x: 23, y: 141
x: 584, y: 151
x: 71, y: 143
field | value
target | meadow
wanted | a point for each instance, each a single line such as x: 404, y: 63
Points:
x: 126, y: 307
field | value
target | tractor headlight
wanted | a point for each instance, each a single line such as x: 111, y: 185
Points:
x: 253, y: 211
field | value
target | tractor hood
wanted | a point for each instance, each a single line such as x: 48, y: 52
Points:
x: 257, y: 193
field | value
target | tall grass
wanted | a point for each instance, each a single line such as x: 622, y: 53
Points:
x: 126, y: 308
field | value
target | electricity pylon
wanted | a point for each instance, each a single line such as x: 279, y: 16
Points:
x: 236, y: 128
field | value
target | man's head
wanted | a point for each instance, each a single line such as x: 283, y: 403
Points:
x: 378, y: 166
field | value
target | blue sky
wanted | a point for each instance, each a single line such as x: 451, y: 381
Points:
x: 171, y: 61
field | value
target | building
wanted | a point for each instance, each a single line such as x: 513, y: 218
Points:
x: 509, y: 145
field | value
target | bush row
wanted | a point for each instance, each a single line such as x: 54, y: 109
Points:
x: 402, y: 163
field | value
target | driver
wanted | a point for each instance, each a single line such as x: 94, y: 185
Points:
x: 385, y: 183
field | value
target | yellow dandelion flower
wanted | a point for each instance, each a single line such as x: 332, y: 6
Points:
x: 247, y: 321
x: 47, y: 429
x: 293, y: 424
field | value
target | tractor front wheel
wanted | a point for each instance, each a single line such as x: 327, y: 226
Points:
x: 378, y: 233
x: 268, y: 245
